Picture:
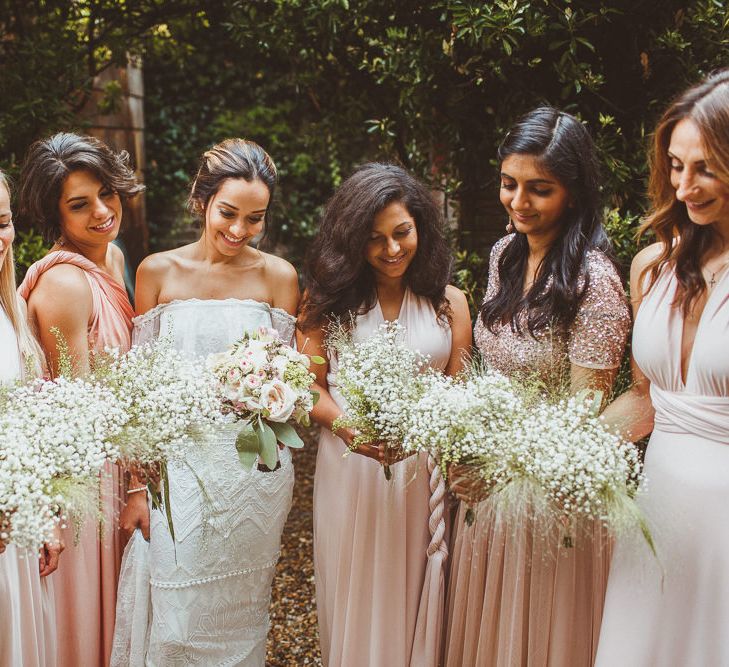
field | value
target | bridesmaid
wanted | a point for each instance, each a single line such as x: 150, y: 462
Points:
x: 673, y: 610
x: 379, y: 255
x: 27, y: 615
x: 73, y: 188
x: 554, y: 309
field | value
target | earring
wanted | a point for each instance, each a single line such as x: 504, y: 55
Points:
x: 510, y: 229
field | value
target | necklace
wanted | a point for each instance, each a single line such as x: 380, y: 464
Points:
x: 712, y: 280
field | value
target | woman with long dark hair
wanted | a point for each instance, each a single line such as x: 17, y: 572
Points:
x: 672, y: 608
x: 73, y: 188
x: 380, y: 255
x: 554, y: 312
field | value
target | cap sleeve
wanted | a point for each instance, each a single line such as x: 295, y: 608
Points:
x: 496, y: 252
x: 600, y: 330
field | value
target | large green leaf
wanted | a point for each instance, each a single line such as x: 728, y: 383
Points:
x: 286, y: 435
x: 269, y: 444
x: 248, y: 445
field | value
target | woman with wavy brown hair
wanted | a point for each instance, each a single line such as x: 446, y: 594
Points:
x: 380, y: 255
x: 672, y: 608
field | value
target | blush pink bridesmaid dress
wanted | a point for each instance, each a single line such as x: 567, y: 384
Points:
x: 517, y: 598
x: 379, y: 571
x: 673, y: 610
x: 86, y: 579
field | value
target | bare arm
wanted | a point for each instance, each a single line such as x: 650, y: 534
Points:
x: 148, y: 284
x: 462, y: 335
x: 62, y: 300
x: 632, y: 413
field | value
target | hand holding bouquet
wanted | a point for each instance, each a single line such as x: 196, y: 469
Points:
x: 264, y: 383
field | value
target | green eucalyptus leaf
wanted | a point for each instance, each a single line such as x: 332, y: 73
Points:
x: 248, y: 445
x: 269, y: 444
x: 287, y: 435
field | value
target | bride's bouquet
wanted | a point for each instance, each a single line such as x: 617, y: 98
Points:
x: 264, y: 383
x: 380, y: 379
x: 57, y: 436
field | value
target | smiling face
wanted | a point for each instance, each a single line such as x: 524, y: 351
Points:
x: 696, y: 185
x: 90, y: 212
x: 534, y: 199
x: 235, y: 214
x: 393, y: 242
x: 7, y: 231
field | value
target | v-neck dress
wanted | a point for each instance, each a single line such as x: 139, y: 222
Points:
x: 379, y: 585
x: 673, y: 610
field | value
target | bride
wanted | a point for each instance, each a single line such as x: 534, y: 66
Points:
x: 208, y: 593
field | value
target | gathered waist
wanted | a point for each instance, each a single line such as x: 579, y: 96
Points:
x: 693, y: 414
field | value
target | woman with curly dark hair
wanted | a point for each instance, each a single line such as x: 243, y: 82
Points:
x: 380, y: 255
x: 73, y: 187
x: 674, y: 609
x: 554, y: 311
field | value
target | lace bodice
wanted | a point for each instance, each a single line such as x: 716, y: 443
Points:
x: 203, y: 326
x: 596, y: 338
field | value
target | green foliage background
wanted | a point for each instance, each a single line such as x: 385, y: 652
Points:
x: 324, y: 85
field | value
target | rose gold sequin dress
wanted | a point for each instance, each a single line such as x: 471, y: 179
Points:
x: 516, y: 599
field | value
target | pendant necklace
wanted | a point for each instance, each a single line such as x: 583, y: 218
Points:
x: 712, y: 280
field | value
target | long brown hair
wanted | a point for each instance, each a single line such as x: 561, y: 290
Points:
x: 685, y: 243
x: 339, y: 282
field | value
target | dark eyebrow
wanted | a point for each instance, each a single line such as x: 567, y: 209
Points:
x: 531, y: 180
x: 70, y: 199
x: 225, y: 203
x: 675, y: 157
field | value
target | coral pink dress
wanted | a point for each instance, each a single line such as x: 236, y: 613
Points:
x: 673, y: 610
x: 27, y: 614
x: 516, y: 599
x: 86, y: 579
x: 379, y: 570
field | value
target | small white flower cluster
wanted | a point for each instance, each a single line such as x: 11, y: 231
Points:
x: 56, y: 437
x: 260, y: 375
x: 466, y: 421
x: 569, y: 464
x: 166, y: 396
x: 580, y: 466
x: 380, y: 379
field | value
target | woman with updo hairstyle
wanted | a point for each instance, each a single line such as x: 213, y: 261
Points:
x: 27, y: 613
x: 206, y: 594
x: 379, y: 255
x: 73, y: 188
x: 554, y: 314
x: 671, y: 608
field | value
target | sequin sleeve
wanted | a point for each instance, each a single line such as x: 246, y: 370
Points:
x: 600, y: 330
x: 479, y: 333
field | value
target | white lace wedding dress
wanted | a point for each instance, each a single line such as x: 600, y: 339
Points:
x: 204, y: 599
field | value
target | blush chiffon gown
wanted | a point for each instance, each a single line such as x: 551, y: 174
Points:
x: 379, y: 571
x: 27, y: 614
x: 517, y: 597
x: 673, y: 610
x: 86, y: 580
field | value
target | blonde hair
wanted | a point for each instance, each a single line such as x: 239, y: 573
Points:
x: 31, y: 355
x: 684, y: 243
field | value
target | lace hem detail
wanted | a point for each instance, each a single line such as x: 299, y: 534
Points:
x: 216, y: 577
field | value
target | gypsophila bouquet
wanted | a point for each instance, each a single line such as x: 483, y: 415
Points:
x: 57, y: 436
x: 264, y: 383
x: 171, y: 403
x: 380, y: 378
x: 579, y: 467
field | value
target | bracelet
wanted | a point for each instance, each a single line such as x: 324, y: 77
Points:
x: 139, y: 488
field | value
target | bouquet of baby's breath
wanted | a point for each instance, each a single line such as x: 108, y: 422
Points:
x: 579, y: 467
x: 57, y: 436
x: 548, y: 457
x: 171, y: 404
x: 380, y: 378
x: 264, y: 383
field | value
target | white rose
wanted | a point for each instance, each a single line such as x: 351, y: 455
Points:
x: 279, y: 399
x: 280, y: 362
